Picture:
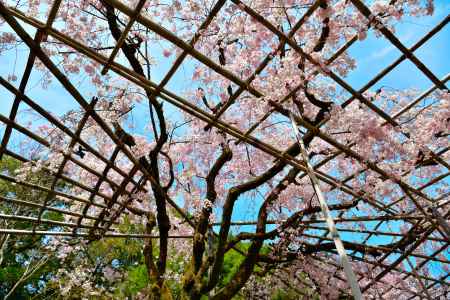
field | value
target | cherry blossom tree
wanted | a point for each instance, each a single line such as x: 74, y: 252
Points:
x: 367, y: 159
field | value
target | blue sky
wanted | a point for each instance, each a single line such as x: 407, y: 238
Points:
x: 373, y: 54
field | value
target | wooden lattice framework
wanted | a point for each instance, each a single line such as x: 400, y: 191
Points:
x: 436, y: 227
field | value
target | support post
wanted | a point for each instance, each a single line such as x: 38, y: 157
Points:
x: 351, y: 278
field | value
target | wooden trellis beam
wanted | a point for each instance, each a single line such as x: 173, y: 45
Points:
x: 67, y: 131
x: 177, y: 63
x: 192, y: 109
x: 372, y: 232
x: 380, y: 75
x: 434, y: 283
x: 46, y: 189
x: 34, y: 220
x: 83, y: 234
x: 62, y: 165
x: 68, y: 86
x: 179, y: 60
x: 337, y: 220
x: 338, y: 277
x: 428, y: 184
x: 376, y: 263
x: 364, y: 161
x: 171, y: 37
x: 98, y: 185
x: 400, y: 259
x: 373, y: 81
x: 44, y: 207
x: 385, y: 250
x: 416, y: 275
x: 347, y: 87
x: 124, y: 35
x: 342, y: 83
x: 39, y: 37
x: 187, y: 106
x: 394, y: 41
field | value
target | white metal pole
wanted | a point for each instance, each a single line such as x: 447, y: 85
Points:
x: 351, y: 278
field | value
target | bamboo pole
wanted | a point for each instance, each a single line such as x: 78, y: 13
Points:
x: 38, y: 205
x: 71, y: 234
x: 46, y: 189
x: 337, y: 220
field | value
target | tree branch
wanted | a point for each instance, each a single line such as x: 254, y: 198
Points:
x: 152, y: 167
x: 211, y: 195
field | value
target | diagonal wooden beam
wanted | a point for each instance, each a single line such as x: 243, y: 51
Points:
x: 394, y: 41
x: 39, y: 37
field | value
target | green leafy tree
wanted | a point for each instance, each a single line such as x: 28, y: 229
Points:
x: 25, y: 264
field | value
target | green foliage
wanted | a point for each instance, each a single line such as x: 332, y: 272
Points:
x: 285, y: 294
x: 231, y: 263
x: 125, y: 251
x: 10, y: 273
x: 53, y: 215
x: 20, y: 250
x: 126, y: 226
x: 233, y: 259
x: 9, y: 166
x: 136, y: 280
